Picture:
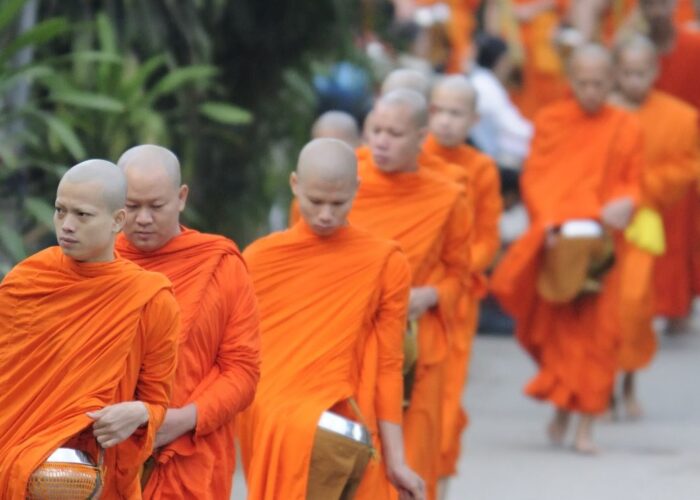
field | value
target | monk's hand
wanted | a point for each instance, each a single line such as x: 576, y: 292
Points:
x: 421, y: 299
x: 115, y: 423
x: 618, y: 213
x: 409, y: 484
x: 178, y: 421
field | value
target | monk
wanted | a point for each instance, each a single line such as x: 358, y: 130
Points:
x: 428, y: 216
x: 677, y: 278
x: 333, y: 301
x: 671, y: 168
x: 218, y: 356
x: 337, y: 125
x: 452, y: 115
x: 585, y: 164
x: 89, y: 343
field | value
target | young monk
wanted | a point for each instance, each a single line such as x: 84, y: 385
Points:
x: 427, y: 214
x: 333, y: 302
x: 89, y: 343
x: 218, y: 357
x: 585, y: 164
x: 337, y: 125
x: 452, y: 115
x: 670, y: 134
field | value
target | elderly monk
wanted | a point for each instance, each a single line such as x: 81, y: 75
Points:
x: 670, y: 134
x: 333, y: 302
x: 337, y: 125
x: 218, y: 357
x: 452, y: 115
x: 585, y: 164
x: 89, y: 343
x: 428, y: 216
x: 678, y: 273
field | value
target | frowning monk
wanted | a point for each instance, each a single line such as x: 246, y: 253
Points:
x: 670, y: 134
x: 429, y: 217
x: 88, y: 346
x: 580, y: 183
x: 218, y: 357
x: 333, y: 304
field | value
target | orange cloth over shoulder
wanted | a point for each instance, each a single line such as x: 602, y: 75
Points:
x: 333, y: 315
x: 485, y: 190
x: 577, y: 164
x: 218, y: 359
x: 429, y: 217
x: 671, y: 168
x: 76, y: 338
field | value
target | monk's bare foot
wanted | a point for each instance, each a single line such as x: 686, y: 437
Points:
x: 585, y: 446
x: 633, y: 409
x: 584, y: 436
x: 556, y: 430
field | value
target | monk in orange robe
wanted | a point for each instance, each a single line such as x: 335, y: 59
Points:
x: 89, y: 343
x: 333, y: 300
x: 452, y: 115
x: 218, y: 356
x: 585, y: 164
x: 670, y: 129
x: 428, y: 216
x: 677, y: 274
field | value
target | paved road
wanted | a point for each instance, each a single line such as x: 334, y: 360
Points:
x: 507, y: 456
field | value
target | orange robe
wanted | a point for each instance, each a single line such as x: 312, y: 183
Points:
x: 678, y: 77
x: 78, y: 337
x: 685, y: 12
x: 487, y: 206
x: 429, y: 217
x: 218, y: 360
x: 670, y: 133
x: 333, y: 318
x: 577, y: 164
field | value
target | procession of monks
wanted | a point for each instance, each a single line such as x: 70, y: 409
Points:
x: 336, y: 352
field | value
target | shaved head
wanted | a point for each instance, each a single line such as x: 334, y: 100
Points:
x: 409, y: 99
x: 407, y: 79
x: 337, y: 125
x: 324, y: 184
x: 637, y: 44
x: 150, y: 157
x: 458, y: 86
x: 90, y: 210
x: 591, y: 76
x: 102, y: 174
x: 452, y: 110
x: 636, y: 69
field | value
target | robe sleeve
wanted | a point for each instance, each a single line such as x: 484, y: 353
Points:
x: 489, y: 205
x: 238, y: 358
x: 390, y: 327
x: 627, y: 164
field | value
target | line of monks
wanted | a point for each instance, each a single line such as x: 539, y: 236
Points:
x: 161, y: 345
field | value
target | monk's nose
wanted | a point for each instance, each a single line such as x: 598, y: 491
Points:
x: 144, y: 217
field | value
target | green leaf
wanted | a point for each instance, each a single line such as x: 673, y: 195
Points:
x: 105, y: 32
x: 65, y: 134
x: 40, y: 210
x: 11, y: 240
x: 180, y: 77
x: 144, y: 71
x: 28, y: 73
x: 225, y: 113
x: 41, y: 33
x: 9, y: 10
x: 89, y: 100
x: 96, y: 56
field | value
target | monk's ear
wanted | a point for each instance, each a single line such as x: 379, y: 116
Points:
x: 293, y: 182
x: 182, y: 196
x: 119, y: 220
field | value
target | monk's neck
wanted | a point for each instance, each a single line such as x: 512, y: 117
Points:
x: 624, y: 102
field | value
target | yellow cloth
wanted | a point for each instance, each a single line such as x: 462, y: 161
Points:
x: 646, y: 231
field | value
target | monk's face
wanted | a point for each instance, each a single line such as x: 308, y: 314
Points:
x: 636, y: 73
x: 591, y: 82
x: 84, y: 223
x: 658, y: 12
x: 395, y: 138
x: 324, y: 204
x: 153, y: 206
x: 452, y: 116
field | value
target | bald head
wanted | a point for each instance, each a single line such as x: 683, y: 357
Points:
x: 324, y: 184
x: 459, y: 87
x: 591, y: 76
x: 636, y: 69
x: 452, y: 110
x: 636, y: 45
x: 149, y: 157
x: 102, y: 175
x: 412, y: 101
x: 337, y: 125
x: 407, y: 79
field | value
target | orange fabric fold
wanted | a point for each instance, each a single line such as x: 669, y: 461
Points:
x: 578, y: 163
x: 218, y: 359
x: 333, y: 315
x: 79, y: 337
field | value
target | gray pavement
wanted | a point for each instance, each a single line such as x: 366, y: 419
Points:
x: 506, y: 455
